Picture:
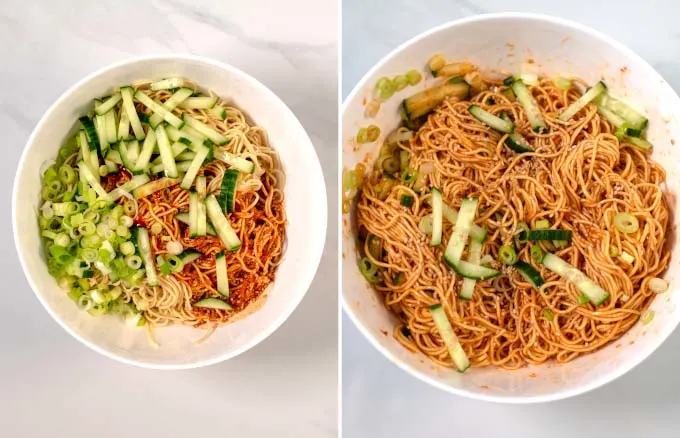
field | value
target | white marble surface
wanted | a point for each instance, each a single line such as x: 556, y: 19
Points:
x: 50, y: 385
x: 380, y: 400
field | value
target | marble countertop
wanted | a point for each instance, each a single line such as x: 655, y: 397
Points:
x: 51, y: 385
x: 380, y: 400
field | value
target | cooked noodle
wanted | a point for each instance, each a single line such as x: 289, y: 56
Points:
x: 579, y: 177
x: 258, y: 220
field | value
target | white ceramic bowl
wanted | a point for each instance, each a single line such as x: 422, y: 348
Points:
x: 507, y: 42
x: 305, y: 202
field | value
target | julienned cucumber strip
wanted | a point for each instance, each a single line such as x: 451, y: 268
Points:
x: 516, y: 141
x: 235, y: 161
x: 195, y: 166
x: 204, y: 129
x: 228, y: 190
x: 145, y: 252
x: 634, y: 119
x: 193, y: 214
x: 166, y: 84
x: 224, y: 230
x: 142, y: 164
x: 108, y: 104
x: 157, y: 108
x: 470, y: 270
x: 202, y: 102
x: 468, y: 287
x: 529, y: 273
x: 221, y: 274
x: 529, y: 104
x: 129, y: 108
x: 173, y: 101
x: 588, y: 287
x: 461, y: 231
x: 184, y: 218
x: 168, y: 160
x: 546, y: 235
x: 451, y: 214
x: 447, y: 334
x: 437, y: 217
x: 582, y: 101
x: 492, y: 121
x: 91, y: 180
x: 212, y: 303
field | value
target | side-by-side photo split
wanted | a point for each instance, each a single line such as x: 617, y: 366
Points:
x: 339, y: 219
x: 172, y: 171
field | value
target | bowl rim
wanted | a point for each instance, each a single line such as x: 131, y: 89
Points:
x: 305, y: 278
x: 373, y: 338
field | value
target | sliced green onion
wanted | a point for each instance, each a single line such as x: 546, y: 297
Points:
x: 89, y: 255
x: 406, y: 200
x: 85, y: 302
x: 50, y: 174
x: 133, y: 261
x: 562, y: 83
x: 507, y: 254
x: 657, y: 285
x: 621, y: 131
x: 413, y: 77
x: 436, y: 63
x: 176, y: 264
x: 156, y: 228
x: 61, y: 254
x: 409, y: 176
x: 521, y: 234
x: 626, y: 223
x: 583, y: 299
x: 372, y: 133
x: 87, y: 229
x: 384, y: 89
x: 375, y: 246
x: 370, y: 271
x: 390, y: 165
x: 536, y: 253
x: 400, y: 82
x: 90, y: 241
x: 425, y: 224
x: 627, y: 258
x: 613, y: 251
x: 122, y: 231
x: 542, y: 224
x: 127, y: 248
x: 66, y: 174
x: 362, y: 135
x: 130, y: 207
x: 62, y: 240
x: 647, y: 317
x: 548, y: 315
x: 163, y: 266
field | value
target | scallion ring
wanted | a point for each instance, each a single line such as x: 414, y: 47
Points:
x: 133, y: 261
x: 626, y: 223
x: 372, y: 133
x: 507, y: 254
x: 369, y: 270
x: 536, y: 253
x: 413, y: 77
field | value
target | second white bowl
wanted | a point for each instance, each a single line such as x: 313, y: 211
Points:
x: 513, y: 43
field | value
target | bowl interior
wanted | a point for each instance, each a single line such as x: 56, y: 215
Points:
x: 305, y: 230
x: 504, y: 44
